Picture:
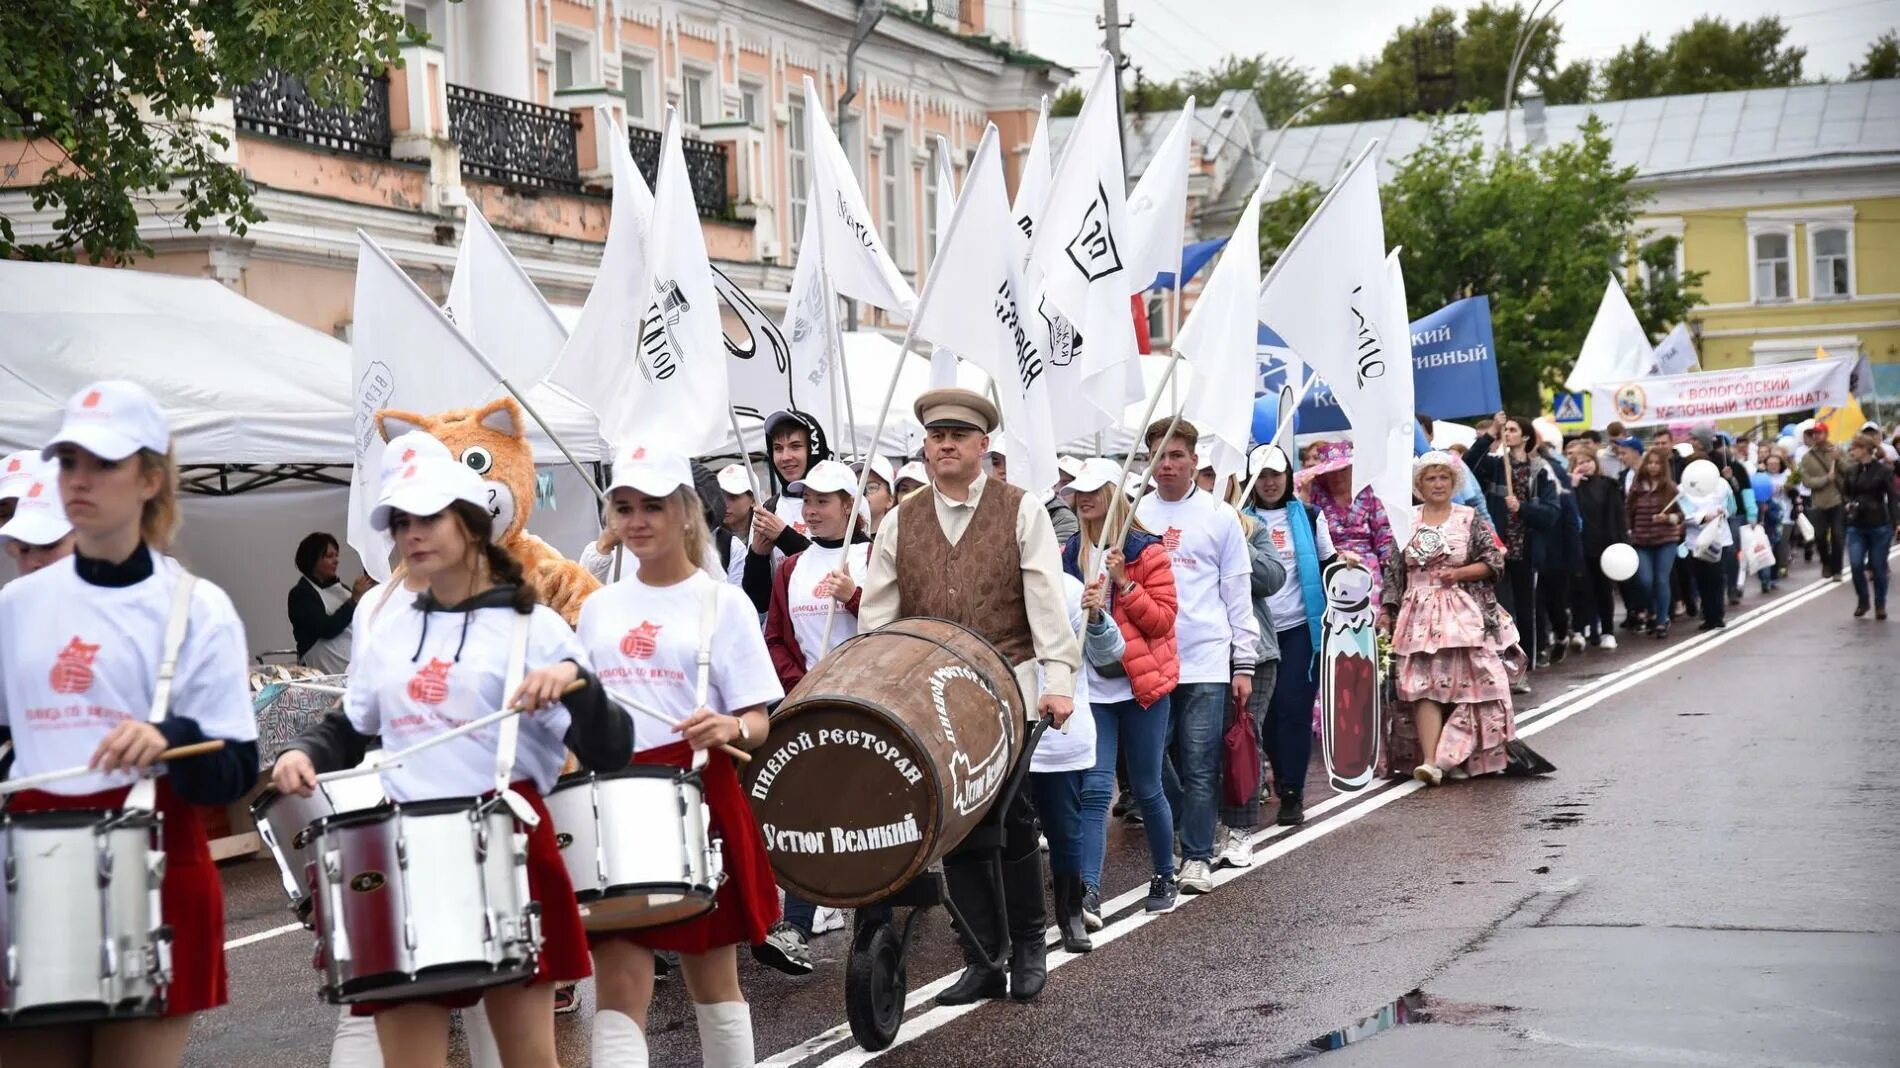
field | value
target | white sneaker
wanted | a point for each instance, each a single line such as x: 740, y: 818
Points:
x: 1576, y: 643
x: 1608, y: 641
x: 1236, y: 853
x: 1195, y: 878
x: 1429, y: 774
x: 826, y: 920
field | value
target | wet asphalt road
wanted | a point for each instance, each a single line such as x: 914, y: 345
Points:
x: 1709, y: 879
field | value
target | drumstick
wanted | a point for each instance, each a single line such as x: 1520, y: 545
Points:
x: 181, y: 752
x: 732, y: 751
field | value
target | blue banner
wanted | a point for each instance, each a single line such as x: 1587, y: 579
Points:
x: 1454, y: 366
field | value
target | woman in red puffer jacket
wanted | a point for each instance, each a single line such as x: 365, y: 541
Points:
x: 1129, y: 698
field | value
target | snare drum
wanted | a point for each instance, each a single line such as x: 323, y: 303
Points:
x: 638, y: 846
x: 80, y: 922
x: 421, y: 899
x: 282, y: 820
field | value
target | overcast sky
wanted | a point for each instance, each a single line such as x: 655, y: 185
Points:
x: 1173, y: 36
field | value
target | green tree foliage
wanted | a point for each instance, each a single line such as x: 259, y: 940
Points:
x: 1537, y: 229
x: 1280, y: 86
x: 1710, y: 56
x: 108, y: 95
x: 1882, y: 59
x: 1442, y: 63
x: 1067, y: 102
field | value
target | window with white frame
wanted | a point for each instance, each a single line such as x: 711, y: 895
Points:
x: 1833, y: 250
x: 1773, y: 257
x: 890, y: 177
x: 694, y: 86
x: 636, y: 88
x: 796, y: 177
x: 573, y: 61
x: 931, y: 192
x: 752, y: 104
x: 417, y: 16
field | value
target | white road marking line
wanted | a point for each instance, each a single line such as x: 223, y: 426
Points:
x: 260, y: 936
x: 1578, y: 698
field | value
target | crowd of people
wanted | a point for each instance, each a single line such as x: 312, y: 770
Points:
x: 1141, y: 619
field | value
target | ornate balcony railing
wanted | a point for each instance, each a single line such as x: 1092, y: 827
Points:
x: 705, y: 169
x: 278, y: 105
x: 513, y: 141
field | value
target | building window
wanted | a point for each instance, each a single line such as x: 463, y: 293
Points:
x: 693, y: 83
x: 1774, y: 266
x: 930, y: 200
x: 573, y: 62
x: 1833, y: 262
x: 417, y: 16
x: 636, y: 87
x: 752, y: 104
x: 795, y: 173
x: 890, y: 171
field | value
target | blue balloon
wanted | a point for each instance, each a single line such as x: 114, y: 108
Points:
x: 1266, y: 416
x: 1420, y: 443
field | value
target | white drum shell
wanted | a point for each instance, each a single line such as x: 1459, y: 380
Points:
x: 282, y: 819
x: 637, y: 846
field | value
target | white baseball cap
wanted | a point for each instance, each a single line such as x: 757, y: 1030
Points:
x: 1095, y: 473
x: 734, y: 480
x: 913, y: 472
x: 17, y: 471
x: 825, y: 476
x: 425, y: 487
x: 1069, y: 465
x: 652, y: 470
x: 39, y: 517
x: 880, y: 467
x: 1266, y: 457
x: 112, y: 420
x: 405, y: 449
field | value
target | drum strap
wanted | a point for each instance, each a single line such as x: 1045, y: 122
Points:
x: 708, y: 622
x: 511, y: 726
x: 144, y: 792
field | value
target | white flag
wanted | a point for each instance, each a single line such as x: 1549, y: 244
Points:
x: 1219, y: 339
x: 678, y: 393
x: 943, y: 362
x: 404, y: 353
x: 808, y: 326
x: 496, y: 305
x: 1157, y: 209
x: 1032, y: 188
x: 1617, y: 348
x: 973, y: 304
x: 1676, y: 355
x: 854, y: 255
x: 1388, y: 448
x: 598, y: 361
x: 1326, y: 296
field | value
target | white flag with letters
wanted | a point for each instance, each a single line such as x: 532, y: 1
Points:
x: 1219, y: 339
x: 1676, y: 354
x: 973, y: 304
x: 598, y: 360
x: 1617, y: 347
x: 1388, y: 449
x: 404, y: 353
x: 808, y: 327
x: 1157, y: 209
x: 855, y: 258
x: 1032, y: 187
x: 496, y: 304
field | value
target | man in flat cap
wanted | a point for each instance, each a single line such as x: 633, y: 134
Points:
x: 981, y: 553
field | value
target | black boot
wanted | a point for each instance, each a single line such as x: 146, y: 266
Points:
x: 1292, y: 812
x: 1022, y: 896
x: 1067, y: 891
x: 969, y: 885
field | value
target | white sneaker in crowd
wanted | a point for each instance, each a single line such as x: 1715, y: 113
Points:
x: 1608, y: 641
x: 1235, y: 852
x: 826, y: 920
x: 1576, y: 643
x: 1195, y: 878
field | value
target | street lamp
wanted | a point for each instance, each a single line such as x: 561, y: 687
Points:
x: 1525, y: 34
x: 1340, y: 93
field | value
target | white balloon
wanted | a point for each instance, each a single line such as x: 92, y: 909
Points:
x: 1701, y: 478
x: 1619, y: 563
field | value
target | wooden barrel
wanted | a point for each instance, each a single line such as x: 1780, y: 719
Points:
x: 883, y: 758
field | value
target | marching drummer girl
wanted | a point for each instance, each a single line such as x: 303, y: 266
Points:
x: 441, y: 661
x: 645, y: 635
x: 78, y: 687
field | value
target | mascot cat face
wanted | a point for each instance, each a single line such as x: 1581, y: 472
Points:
x: 491, y: 442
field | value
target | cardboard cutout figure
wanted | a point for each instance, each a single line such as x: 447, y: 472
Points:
x: 1349, y: 678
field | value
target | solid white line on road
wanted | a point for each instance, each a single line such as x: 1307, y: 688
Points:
x: 263, y: 935
x: 1577, y: 699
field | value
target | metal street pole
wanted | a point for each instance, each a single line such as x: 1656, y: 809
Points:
x: 1525, y: 34
x: 870, y: 12
x: 1340, y: 93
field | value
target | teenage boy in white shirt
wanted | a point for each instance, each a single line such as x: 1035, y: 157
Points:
x: 1216, y: 631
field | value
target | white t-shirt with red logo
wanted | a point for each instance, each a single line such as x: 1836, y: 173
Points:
x: 644, y: 641
x: 77, y: 659
x: 808, y: 610
x: 792, y: 510
x: 1206, y: 544
x: 408, y: 683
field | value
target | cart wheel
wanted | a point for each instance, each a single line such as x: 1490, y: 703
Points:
x: 875, y: 984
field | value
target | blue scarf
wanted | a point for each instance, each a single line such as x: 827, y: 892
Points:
x: 1305, y: 566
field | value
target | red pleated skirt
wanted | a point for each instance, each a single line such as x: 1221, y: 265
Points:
x: 191, y: 895
x: 564, y: 956
x: 746, y: 905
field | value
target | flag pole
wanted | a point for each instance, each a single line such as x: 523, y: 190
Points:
x: 1167, y: 380
x: 1128, y: 521
x: 1285, y: 423
x: 835, y: 341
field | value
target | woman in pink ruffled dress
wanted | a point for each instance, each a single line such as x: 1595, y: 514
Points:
x: 1456, y: 651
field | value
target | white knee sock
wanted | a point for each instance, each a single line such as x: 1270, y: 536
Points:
x: 482, y: 1051
x: 355, y: 1044
x: 725, y: 1034
x: 618, y: 1042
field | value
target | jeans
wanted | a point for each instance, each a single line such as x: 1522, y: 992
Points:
x: 1288, y: 732
x: 1135, y: 735
x: 1553, y: 602
x: 1653, y: 565
x: 1710, y: 584
x: 1059, y: 804
x: 1827, y: 536
x: 1771, y: 523
x: 1247, y: 816
x: 1867, y: 554
x: 800, y: 913
x: 1592, y: 600
x: 1732, y: 556
x: 1192, y: 768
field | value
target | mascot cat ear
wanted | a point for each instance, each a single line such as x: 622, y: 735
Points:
x: 502, y: 415
x: 391, y: 423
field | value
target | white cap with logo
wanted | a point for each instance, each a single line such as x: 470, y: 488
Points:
x: 650, y: 469
x: 825, y: 476
x: 17, y: 471
x: 39, y: 517
x: 880, y: 468
x: 112, y: 420
x: 1095, y: 473
x: 406, y: 449
x: 913, y: 472
x: 734, y: 480
x: 425, y: 487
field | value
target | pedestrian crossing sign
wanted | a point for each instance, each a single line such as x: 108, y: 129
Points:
x: 1567, y: 408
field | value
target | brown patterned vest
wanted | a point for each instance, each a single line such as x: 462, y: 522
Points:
x: 978, y: 582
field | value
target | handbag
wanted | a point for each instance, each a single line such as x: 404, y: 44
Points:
x: 1757, y: 552
x: 1804, y: 527
x: 1240, y: 778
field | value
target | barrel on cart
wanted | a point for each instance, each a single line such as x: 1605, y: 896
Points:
x: 883, y: 758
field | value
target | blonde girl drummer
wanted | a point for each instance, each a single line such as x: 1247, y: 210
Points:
x: 78, y: 670
x: 443, y: 660
x: 644, y: 635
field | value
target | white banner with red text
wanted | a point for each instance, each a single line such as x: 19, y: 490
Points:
x: 1708, y: 395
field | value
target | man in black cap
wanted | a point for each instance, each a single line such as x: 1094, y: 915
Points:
x: 981, y: 553
x: 794, y: 441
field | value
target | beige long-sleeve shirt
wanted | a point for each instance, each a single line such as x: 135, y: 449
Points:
x: 1056, y: 648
